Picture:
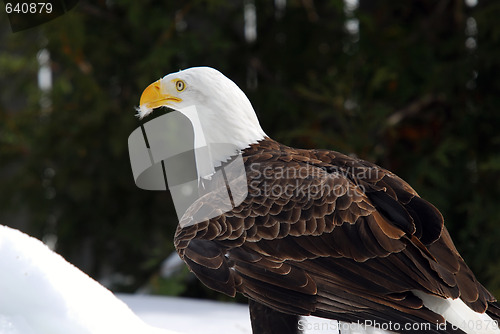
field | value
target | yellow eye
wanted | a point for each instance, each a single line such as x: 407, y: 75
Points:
x: 180, y: 85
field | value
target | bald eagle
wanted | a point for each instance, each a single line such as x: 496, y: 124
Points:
x: 319, y: 232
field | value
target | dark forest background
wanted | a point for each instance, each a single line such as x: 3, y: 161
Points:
x: 412, y: 86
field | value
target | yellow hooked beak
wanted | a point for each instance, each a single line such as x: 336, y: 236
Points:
x: 152, y: 97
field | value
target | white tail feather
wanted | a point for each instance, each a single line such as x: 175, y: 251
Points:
x: 459, y: 315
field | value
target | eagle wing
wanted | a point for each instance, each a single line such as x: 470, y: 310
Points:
x: 321, y: 233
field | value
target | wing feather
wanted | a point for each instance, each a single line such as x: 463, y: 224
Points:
x: 342, y: 239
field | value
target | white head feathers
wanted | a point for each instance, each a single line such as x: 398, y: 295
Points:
x: 227, y: 117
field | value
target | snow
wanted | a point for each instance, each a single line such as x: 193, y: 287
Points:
x: 42, y: 293
x: 190, y: 316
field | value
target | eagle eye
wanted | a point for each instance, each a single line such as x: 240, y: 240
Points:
x: 180, y: 85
